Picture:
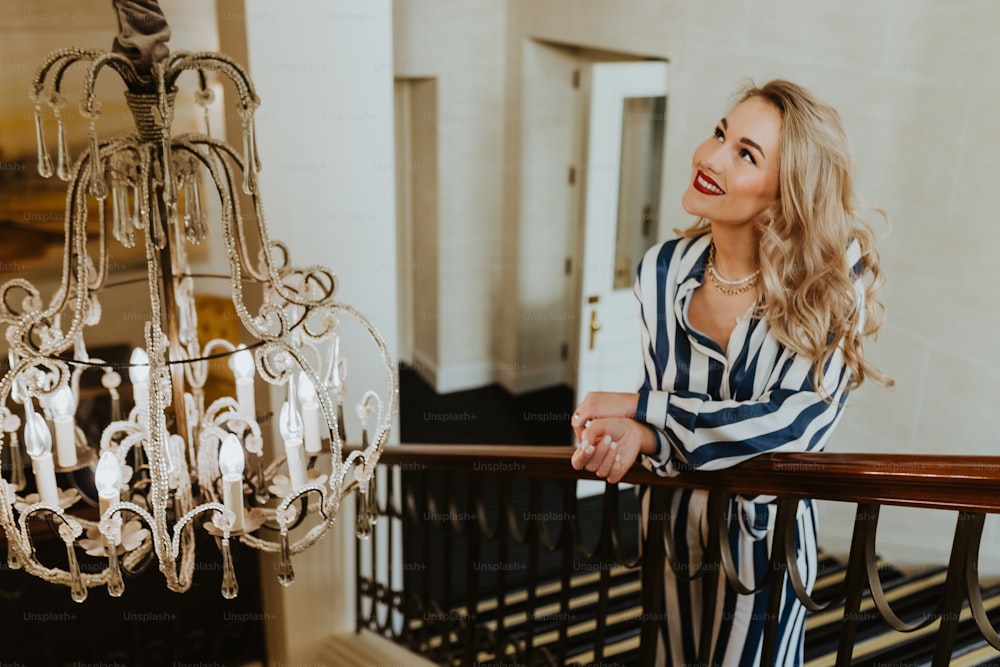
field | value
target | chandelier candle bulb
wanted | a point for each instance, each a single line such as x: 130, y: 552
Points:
x: 138, y: 373
x: 107, y: 479
x: 243, y: 371
x: 38, y: 443
x: 310, y: 415
x: 231, y: 464
x: 290, y: 425
x: 63, y: 407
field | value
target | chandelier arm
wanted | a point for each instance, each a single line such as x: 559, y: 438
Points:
x: 220, y: 512
x: 300, y: 515
x: 283, y: 508
x: 8, y: 314
x: 89, y: 107
x: 310, y: 275
x: 259, y: 271
x: 63, y: 58
x: 196, y: 363
x: 224, y: 187
x: 390, y: 368
x: 232, y: 236
x: 217, y: 62
x: 139, y: 559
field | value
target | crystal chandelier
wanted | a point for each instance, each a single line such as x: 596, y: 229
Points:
x: 170, y: 466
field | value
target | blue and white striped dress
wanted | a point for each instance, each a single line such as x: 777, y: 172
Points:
x: 712, y: 408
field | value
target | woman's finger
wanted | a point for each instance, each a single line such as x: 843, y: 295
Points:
x: 611, y: 456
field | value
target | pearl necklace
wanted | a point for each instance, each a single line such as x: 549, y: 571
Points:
x: 731, y: 287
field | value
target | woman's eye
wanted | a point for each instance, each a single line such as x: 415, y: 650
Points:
x: 719, y: 136
x: 747, y: 156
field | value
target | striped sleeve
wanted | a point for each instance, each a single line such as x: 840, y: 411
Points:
x: 710, y: 434
x: 662, y: 454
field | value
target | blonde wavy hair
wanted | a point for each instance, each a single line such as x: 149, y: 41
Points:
x: 808, y: 292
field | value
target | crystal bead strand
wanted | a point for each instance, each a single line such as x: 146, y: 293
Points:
x: 44, y: 161
x: 163, y: 115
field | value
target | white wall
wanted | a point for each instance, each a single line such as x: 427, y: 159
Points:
x: 462, y: 45
x: 915, y: 83
x: 323, y: 71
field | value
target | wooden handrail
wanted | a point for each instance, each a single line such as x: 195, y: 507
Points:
x: 968, y: 485
x: 948, y: 482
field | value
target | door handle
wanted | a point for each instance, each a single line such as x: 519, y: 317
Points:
x: 595, y: 326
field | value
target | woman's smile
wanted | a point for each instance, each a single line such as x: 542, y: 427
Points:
x: 706, y: 185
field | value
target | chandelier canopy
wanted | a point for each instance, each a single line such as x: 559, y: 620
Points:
x: 169, y: 465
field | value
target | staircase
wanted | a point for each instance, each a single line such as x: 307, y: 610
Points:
x: 913, y: 596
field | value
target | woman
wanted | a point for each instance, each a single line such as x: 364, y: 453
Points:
x: 752, y: 329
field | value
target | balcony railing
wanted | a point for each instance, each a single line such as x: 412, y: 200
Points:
x: 485, y: 554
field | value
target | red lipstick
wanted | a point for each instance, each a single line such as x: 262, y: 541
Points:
x: 706, y: 185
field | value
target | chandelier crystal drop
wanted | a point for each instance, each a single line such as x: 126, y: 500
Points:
x: 168, y: 466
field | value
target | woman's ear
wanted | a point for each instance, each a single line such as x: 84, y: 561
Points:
x: 770, y: 213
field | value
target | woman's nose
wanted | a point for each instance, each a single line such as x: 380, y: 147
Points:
x: 711, y: 158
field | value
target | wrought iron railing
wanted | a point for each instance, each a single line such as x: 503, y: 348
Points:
x: 484, y: 555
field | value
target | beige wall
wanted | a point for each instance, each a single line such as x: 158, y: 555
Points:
x: 462, y: 45
x: 918, y: 91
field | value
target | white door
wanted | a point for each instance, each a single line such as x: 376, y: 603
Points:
x: 622, y: 181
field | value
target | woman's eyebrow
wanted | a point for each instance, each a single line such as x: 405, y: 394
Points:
x: 748, y: 142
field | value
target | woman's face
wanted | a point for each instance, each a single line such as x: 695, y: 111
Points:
x: 734, y: 174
